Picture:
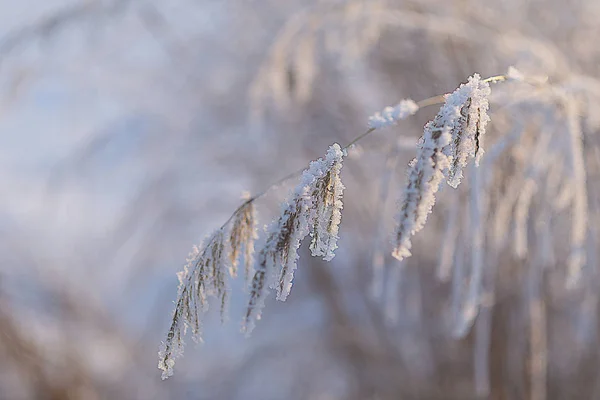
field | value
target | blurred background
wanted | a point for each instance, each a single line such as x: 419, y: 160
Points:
x: 130, y: 129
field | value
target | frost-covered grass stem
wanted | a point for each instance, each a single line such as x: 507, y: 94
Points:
x: 314, y: 209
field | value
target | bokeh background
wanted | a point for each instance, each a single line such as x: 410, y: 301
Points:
x: 129, y: 129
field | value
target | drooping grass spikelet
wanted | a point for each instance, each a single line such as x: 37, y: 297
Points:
x: 202, y: 276
x: 466, y: 111
x: 424, y: 177
x: 258, y: 292
x: 280, y: 250
x: 327, y: 202
x: 172, y: 347
x: 314, y: 208
x: 284, y: 241
x: 447, y: 144
x: 206, y: 275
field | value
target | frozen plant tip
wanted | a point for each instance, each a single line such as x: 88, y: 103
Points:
x: 447, y: 144
x: 327, y: 204
x: 391, y: 115
x: 280, y: 249
x: 425, y: 174
x: 206, y: 275
x: 203, y: 276
x: 314, y: 208
x: 465, y: 111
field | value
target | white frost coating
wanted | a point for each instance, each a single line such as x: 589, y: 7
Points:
x: 314, y: 208
x: 317, y: 210
x: 297, y: 220
x: 391, y: 115
x: 203, y: 276
x: 167, y: 356
x: 280, y: 250
x: 448, y: 143
x: 465, y: 111
x: 327, y: 200
x: 424, y: 177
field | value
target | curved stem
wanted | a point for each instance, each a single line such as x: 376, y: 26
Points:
x: 439, y: 99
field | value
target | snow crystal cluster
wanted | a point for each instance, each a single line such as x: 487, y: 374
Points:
x: 465, y: 111
x: 448, y: 143
x: 327, y: 202
x: 314, y: 208
x: 391, y: 115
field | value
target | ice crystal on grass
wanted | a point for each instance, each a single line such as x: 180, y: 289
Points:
x: 425, y: 174
x: 203, y: 276
x: 466, y: 110
x: 206, y: 275
x: 285, y: 237
x: 314, y: 208
x: 391, y: 115
x: 447, y: 144
x: 280, y: 250
x: 327, y: 204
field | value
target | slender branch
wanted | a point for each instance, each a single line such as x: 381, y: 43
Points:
x: 356, y: 139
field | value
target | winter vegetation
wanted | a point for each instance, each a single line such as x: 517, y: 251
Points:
x: 443, y: 247
x: 315, y: 208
